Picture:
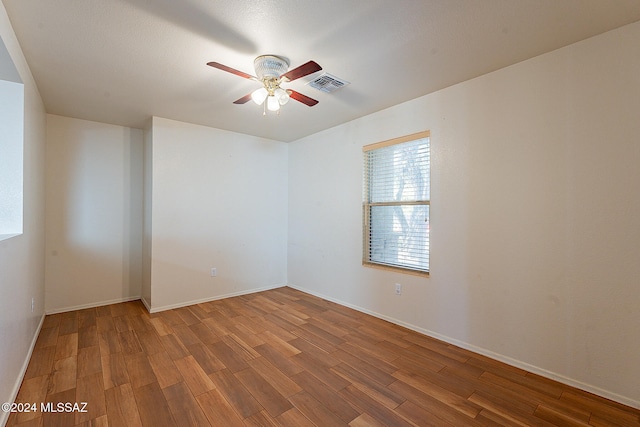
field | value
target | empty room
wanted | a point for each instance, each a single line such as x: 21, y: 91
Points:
x: 293, y: 213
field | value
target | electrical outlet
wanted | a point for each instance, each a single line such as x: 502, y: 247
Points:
x: 398, y: 289
x: 214, y: 272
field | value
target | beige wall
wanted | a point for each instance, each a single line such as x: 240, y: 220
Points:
x: 219, y: 199
x: 134, y: 213
x: 534, y: 215
x: 21, y: 257
x: 94, y: 213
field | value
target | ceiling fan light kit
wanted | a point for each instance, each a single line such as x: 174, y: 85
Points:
x: 271, y: 71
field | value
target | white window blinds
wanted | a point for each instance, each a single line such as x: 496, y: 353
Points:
x: 396, y: 203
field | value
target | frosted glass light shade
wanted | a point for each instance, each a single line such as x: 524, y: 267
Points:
x: 282, y: 95
x: 273, y: 104
x: 259, y: 95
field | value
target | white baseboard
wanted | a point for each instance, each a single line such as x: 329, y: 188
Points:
x: 92, y: 305
x: 208, y: 299
x: 146, y: 304
x: 152, y: 309
x: 4, y: 416
x: 496, y: 356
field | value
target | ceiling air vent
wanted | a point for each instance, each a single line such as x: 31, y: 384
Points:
x: 327, y: 83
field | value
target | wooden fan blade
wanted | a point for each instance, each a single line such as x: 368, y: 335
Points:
x: 302, y: 98
x: 243, y: 100
x: 303, y: 70
x: 231, y: 70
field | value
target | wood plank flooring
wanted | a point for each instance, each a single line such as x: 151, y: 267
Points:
x: 280, y: 358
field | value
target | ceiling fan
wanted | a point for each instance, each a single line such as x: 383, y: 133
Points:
x: 272, y: 71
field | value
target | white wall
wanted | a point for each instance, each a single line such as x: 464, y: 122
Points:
x: 219, y: 199
x: 534, y: 215
x: 22, y: 257
x: 94, y: 213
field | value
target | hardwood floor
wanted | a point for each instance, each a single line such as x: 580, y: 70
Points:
x: 280, y: 358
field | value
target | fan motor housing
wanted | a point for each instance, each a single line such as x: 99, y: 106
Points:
x: 270, y: 66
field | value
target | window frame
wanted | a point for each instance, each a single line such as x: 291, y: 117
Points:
x: 367, y: 205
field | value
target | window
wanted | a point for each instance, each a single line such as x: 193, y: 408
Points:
x: 11, y: 147
x: 396, y: 204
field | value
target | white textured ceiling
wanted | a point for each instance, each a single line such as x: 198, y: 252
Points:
x: 123, y: 61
